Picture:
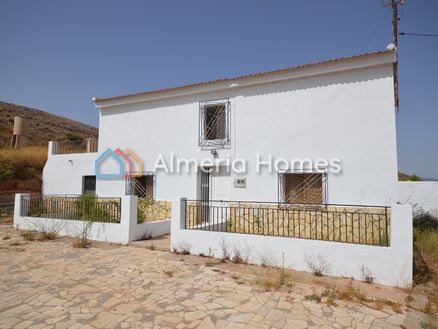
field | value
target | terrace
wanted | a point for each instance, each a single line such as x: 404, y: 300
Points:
x: 88, y: 145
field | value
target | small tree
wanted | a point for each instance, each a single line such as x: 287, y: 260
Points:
x: 73, y: 137
x: 415, y: 178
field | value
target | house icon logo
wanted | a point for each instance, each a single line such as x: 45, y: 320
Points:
x: 124, y: 163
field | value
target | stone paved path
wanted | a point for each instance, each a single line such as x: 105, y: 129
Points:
x: 50, y: 284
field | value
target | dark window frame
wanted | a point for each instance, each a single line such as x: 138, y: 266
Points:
x: 85, y: 182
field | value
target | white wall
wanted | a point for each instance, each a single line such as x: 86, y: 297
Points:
x: 348, y: 115
x: 421, y: 195
x: 388, y: 265
x: 124, y: 232
x: 63, y: 173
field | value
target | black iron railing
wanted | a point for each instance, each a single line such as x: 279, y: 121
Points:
x: 359, y: 224
x: 106, y: 210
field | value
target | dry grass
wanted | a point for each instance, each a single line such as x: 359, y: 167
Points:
x: 81, y: 243
x: 151, y: 246
x: 35, y: 156
x: 23, y: 163
x: 211, y: 263
x: 29, y: 235
x: 270, y: 278
x: 48, y: 235
x: 169, y: 272
x: 40, y: 236
x: 427, y: 243
x: 313, y: 298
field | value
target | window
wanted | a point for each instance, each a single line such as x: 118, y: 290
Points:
x: 141, y: 186
x: 305, y: 188
x: 214, y: 125
x: 89, y: 184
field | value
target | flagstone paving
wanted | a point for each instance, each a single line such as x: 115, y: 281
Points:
x: 50, y: 284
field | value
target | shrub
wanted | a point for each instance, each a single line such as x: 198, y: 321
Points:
x: 49, y: 235
x: 24, y: 163
x: 48, y: 229
x: 28, y: 235
x: 313, y: 298
x: 424, y: 220
x: 140, y: 214
x: 73, y: 137
x: 149, y: 210
x: 427, y: 243
x: 88, y: 208
x: 317, y: 264
x: 415, y: 178
x: 273, y: 278
x: 82, y: 239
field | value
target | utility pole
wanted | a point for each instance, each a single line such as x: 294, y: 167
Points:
x: 394, y: 5
x: 395, y: 21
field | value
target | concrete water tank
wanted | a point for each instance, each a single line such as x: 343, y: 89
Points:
x: 20, y: 134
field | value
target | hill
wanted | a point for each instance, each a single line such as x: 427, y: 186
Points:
x: 44, y: 126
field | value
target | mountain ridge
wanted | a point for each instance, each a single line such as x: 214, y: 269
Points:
x: 43, y: 127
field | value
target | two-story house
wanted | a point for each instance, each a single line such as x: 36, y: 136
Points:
x: 340, y: 110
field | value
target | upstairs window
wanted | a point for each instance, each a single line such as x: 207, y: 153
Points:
x: 214, y: 128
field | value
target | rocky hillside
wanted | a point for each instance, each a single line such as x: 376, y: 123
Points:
x: 43, y: 126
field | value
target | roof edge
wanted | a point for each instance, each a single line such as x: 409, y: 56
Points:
x: 337, y: 60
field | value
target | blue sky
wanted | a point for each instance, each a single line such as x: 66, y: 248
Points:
x: 57, y: 55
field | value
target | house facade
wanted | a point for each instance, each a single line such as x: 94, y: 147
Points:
x: 340, y: 111
x: 297, y: 166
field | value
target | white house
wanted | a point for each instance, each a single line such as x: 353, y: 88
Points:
x: 337, y: 109
x: 327, y: 128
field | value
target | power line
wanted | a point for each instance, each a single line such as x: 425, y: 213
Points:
x: 418, y: 34
x: 375, y: 31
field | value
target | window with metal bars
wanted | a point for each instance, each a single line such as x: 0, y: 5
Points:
x: 303, y: 188
x: 89, y: 184
x: 214, y: 127
x: 142, y: 185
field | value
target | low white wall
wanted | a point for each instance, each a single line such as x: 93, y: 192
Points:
x: 151, y: 230
x: 124, y: 232
x: 388, y: 265
x: 422, y: 195
x: 106, y: 232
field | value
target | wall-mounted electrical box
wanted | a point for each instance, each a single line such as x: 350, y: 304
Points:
x: 240, y: 182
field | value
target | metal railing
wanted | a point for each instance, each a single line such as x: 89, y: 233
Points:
x: 78, y: 146
x: 357, y: 224
x: 106, y: 210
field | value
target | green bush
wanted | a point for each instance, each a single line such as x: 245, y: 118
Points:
x: 7, y: 169
x: 140, y: 214
x: 424, y: 221
x: 73, y: 137
x: 147, y: 209
x: 89, y: 208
